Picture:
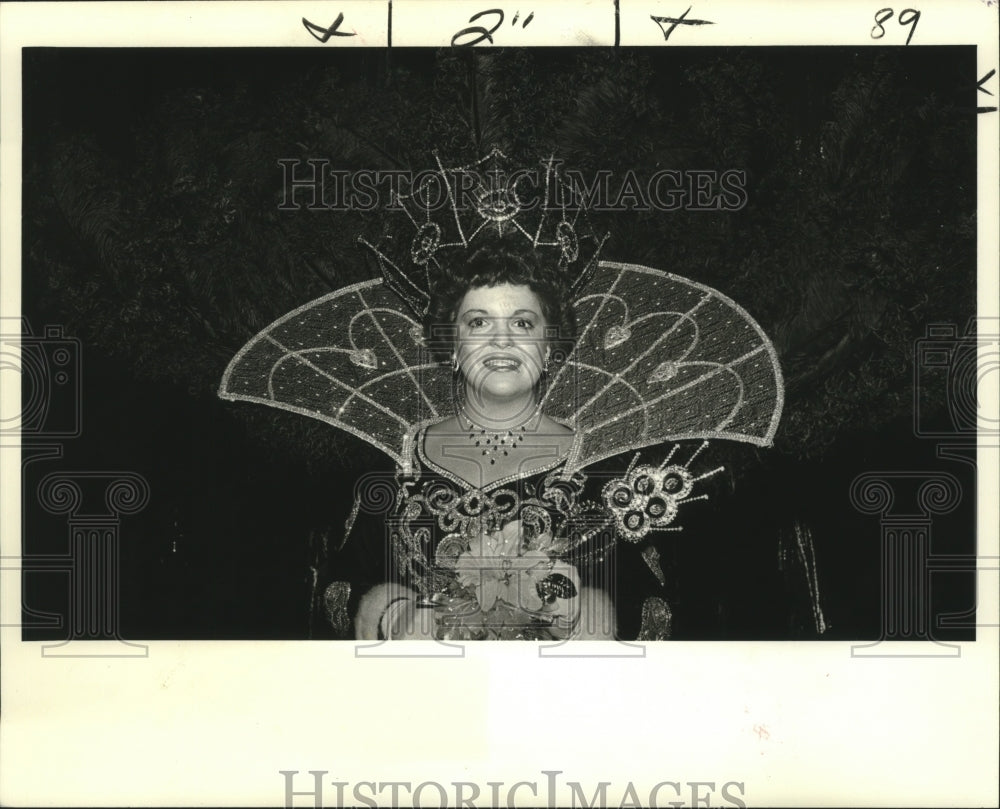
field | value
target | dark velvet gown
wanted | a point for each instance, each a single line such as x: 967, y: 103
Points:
x: 560, y: 533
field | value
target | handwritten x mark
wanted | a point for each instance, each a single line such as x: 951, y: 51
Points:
x: 324, y: 34
x: 981, y: 89
x: 675, y: 21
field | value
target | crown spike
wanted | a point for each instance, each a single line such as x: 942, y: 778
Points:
x: 581, y: 280
x: 545, y: 201
x: 413, y: 296
x: 451, y: 199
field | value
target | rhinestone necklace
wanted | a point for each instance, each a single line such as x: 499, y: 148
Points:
x: 497, y: 443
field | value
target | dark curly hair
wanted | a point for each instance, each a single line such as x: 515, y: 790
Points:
x: 502, y: 260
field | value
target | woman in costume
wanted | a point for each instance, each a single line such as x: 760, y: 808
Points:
x: 487, y: 472
x: 499, y: 364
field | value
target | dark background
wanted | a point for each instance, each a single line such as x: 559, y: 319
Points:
x: 152, y: 234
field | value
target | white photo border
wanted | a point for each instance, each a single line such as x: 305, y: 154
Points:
x: 204, y: 723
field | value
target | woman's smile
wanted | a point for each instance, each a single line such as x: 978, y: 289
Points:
x: 502, y: 363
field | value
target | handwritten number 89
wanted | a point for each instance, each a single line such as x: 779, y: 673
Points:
x: 908, y: 16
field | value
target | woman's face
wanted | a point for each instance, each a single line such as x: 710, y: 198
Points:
x: 501, y: 347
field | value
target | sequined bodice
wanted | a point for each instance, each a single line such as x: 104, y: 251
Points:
x: 511, y: 559
x: 438, y: 515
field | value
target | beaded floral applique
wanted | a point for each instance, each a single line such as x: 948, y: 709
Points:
x: 647, y: 498
x: 500, y: 569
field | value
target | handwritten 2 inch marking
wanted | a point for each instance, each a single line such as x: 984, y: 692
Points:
x: 483, y: 34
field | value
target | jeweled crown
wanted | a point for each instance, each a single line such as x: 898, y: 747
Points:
x: 452, y: 209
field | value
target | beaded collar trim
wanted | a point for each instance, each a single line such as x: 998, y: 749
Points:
x: 418, y: 444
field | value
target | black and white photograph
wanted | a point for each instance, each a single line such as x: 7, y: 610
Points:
x: 398, y: 352
x: 580, y: 330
